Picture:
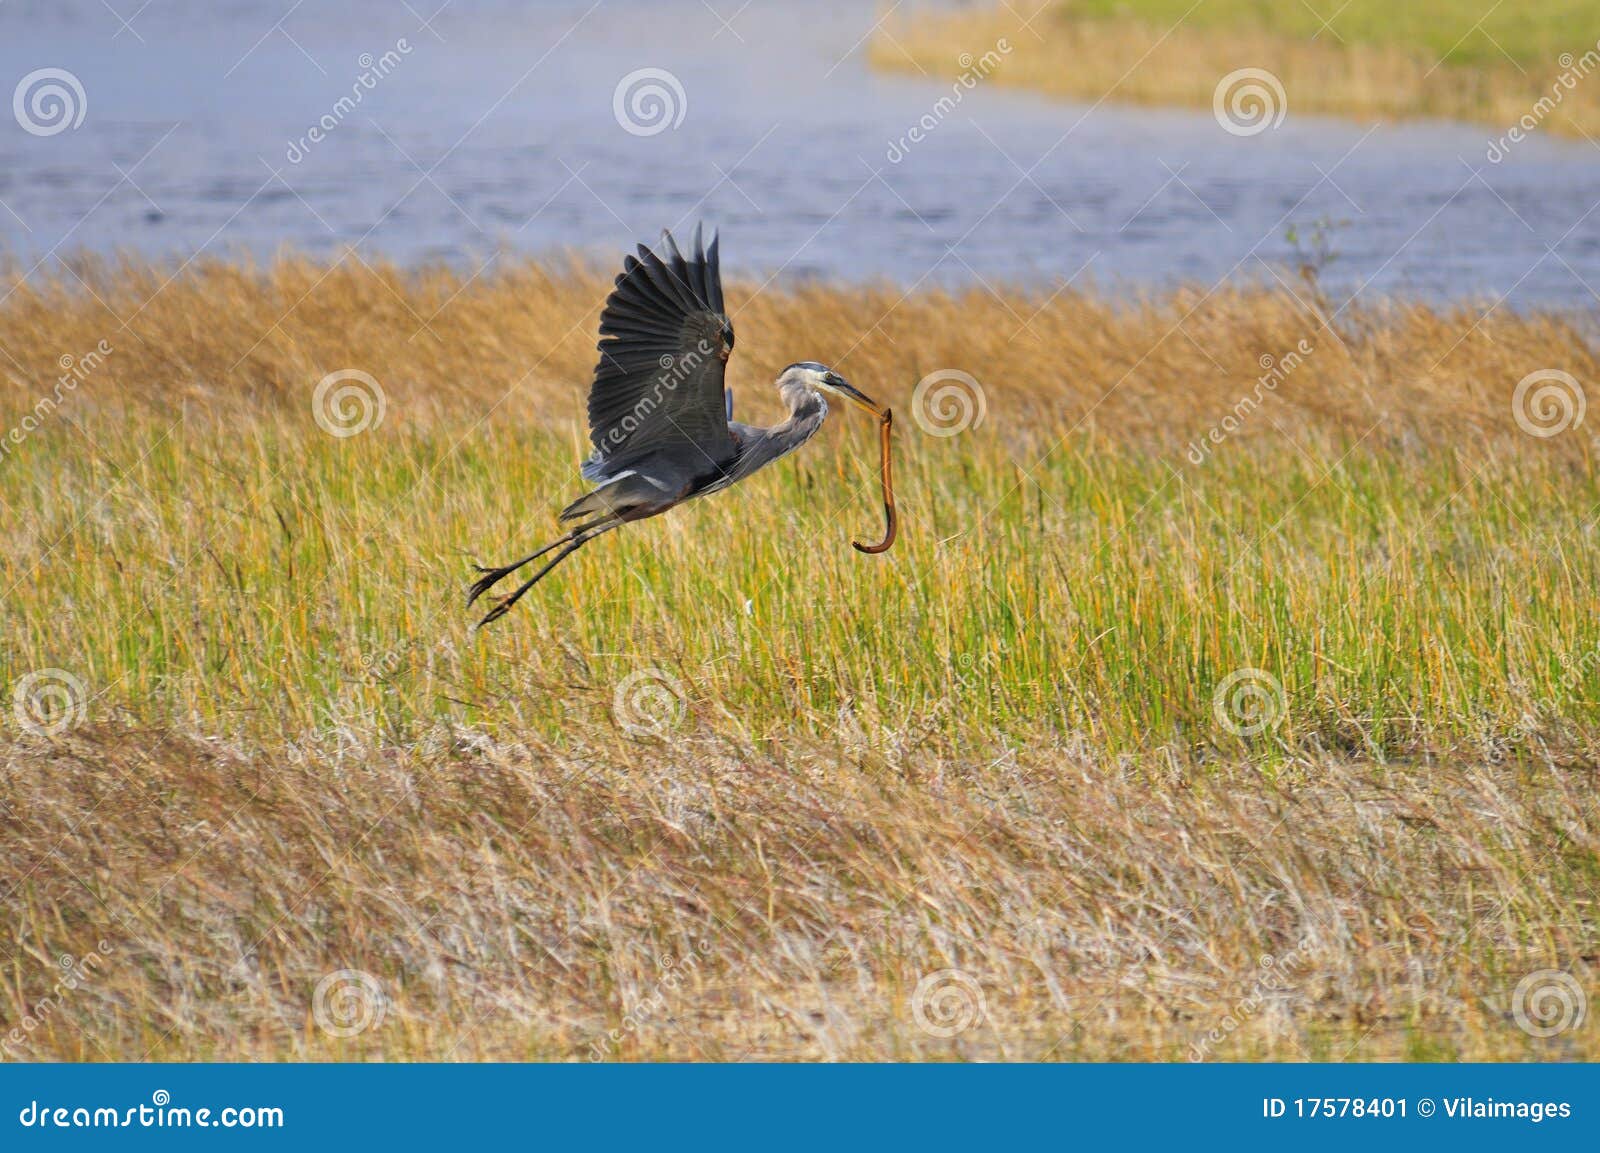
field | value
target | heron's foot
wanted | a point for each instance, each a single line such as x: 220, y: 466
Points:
x: 501, y: 608
x: 490, y: 578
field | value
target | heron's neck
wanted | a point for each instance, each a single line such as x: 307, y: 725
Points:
x: 807, y: 410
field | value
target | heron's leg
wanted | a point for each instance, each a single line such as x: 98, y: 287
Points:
x: 577, y: 539
x: 493, y: 576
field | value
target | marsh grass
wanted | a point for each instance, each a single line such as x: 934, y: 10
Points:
x: 267, y: 584
x: 1373, y: 60
x: 998, y: 748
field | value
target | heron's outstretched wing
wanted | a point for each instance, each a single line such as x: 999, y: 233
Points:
x: 664, y: 339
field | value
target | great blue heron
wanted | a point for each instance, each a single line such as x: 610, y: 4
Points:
x: 660, y: 417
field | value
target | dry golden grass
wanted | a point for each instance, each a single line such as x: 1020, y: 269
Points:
x: 1163, y: 58
x: 712, y: 900
x: 222, y: 341
x: 994, y: 750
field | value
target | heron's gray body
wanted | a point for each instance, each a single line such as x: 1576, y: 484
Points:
x: 659, y: 410
x: 655, y: 483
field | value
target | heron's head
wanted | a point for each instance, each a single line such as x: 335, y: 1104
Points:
x: 810, y: 376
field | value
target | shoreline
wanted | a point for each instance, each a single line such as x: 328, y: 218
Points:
x: 1130, y: 60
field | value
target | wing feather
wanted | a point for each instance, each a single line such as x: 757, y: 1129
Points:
x: 658, y: 386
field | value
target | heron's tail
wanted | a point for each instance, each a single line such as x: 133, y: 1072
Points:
x: 618, y: 497
x: 589, y: 504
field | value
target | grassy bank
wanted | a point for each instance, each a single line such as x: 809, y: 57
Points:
x: 1171, y: 670
x: 1370, y: 60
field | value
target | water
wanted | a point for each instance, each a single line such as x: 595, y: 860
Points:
x: 496, y: 131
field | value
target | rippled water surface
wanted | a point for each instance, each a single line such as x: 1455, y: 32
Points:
x: 497, y: 130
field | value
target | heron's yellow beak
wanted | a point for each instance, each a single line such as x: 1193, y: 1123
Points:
x: 849, y: 391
